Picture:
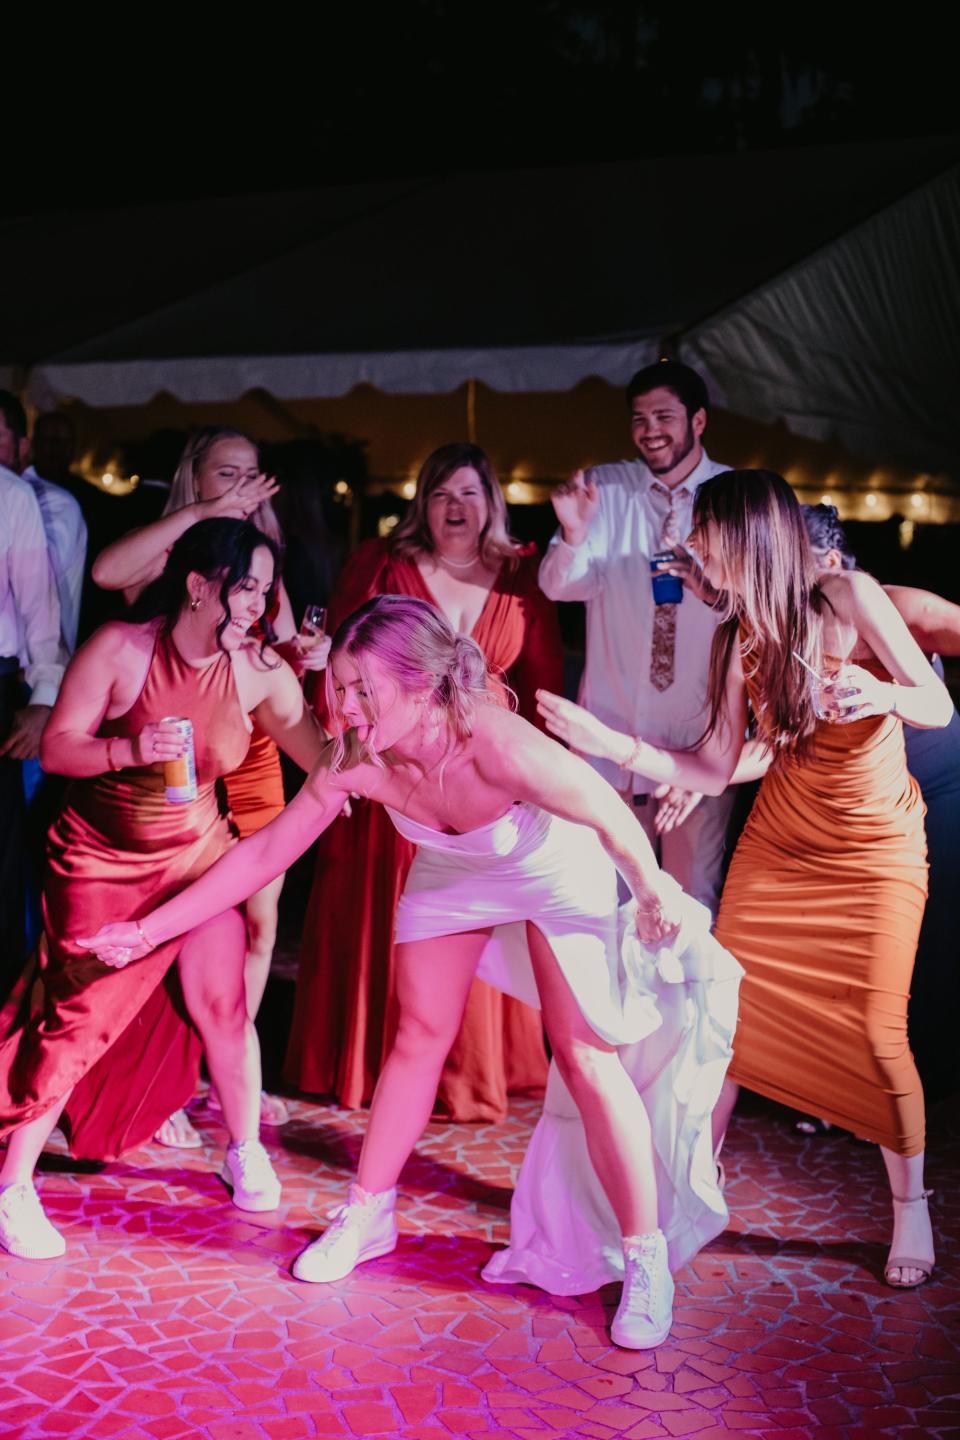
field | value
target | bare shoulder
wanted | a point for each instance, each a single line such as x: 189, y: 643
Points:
x: 850, y: 592
x: 266, y: 671
x: 121, y: 641
x: 346, y: 768
x: 503, y: 744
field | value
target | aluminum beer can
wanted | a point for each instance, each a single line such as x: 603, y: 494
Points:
x: 180, y: 776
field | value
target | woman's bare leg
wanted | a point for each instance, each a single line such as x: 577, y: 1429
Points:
x: 433, y: 979
x: 615, y: 1119
x: 211, y: 972
x: 912, y: 1232
x: 25, y: 1144
x: 261, y: 914
x: 722, y: 1111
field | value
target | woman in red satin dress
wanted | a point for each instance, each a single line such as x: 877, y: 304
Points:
x: 219, y: 474
x: 453, y: 550
x: 110, y: 1053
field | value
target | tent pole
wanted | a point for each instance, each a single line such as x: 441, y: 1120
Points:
x: 472, y: 412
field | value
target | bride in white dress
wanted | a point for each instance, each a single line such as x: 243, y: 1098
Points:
x: 514, y: 878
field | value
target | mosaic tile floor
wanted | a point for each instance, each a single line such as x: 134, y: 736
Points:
x: 173, y: 1315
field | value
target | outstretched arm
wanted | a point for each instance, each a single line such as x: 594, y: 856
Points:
x: 249, y: 866
x: 933, y: 622
x: 708, y: 769
x: 136, y: 559
x: 517, y: 758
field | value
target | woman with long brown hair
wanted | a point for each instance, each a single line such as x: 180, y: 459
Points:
x: 825, y: 894
x: 453, y: 549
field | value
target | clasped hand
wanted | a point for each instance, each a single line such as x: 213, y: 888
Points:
x: 117, y: 945
x: 313, y: 651
x: 687, y: 568
x: 858, y: 694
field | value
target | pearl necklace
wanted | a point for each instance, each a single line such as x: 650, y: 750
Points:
x: 457, y: 564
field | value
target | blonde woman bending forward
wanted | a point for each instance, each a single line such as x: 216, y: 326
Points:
x: 517, y: 839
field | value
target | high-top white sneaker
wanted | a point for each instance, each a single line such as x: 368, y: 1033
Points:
x: 25, y: 1230
x: 645, y: 1313
x: 251, y: 1177
x: 362, y: 1229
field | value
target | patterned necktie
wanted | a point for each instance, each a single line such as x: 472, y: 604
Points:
x: 664, y: 641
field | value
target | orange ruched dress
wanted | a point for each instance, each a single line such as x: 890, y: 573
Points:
x: 822, y: 907
x: 118, y: 849
x: 345, y: 1015
x: 255, y: 788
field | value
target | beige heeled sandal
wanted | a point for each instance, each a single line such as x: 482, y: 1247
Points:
x: 909, y: 1262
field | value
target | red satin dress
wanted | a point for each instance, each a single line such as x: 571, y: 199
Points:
x: 345, y: 1012
x: 118, y: 849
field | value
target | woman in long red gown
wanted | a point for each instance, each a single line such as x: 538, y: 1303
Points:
x: 454, y: 551
x: 111, y: 1053
x: 218, y: 475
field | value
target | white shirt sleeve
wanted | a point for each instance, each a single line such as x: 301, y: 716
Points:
x: 34, y: 591
x: 575, y: 572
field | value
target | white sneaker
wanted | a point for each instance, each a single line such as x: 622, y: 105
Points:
x: 251, y: 1177
x: 645, y: 1313
x: 362, y: 1229
x: 25, y: 1230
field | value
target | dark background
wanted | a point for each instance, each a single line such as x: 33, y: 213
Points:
x: 165, y: 103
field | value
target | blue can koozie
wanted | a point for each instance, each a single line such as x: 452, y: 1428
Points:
x: 667, y: 589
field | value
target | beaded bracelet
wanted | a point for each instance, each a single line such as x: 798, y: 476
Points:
x: 634, y: 756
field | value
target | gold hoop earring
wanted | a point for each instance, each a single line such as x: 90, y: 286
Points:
x: 195, y: 605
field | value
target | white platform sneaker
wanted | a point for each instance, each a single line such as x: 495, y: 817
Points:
x: 645, y: 1312
x: 25, y: 1230
x: 248, y: 1173
x: 363, y: 1228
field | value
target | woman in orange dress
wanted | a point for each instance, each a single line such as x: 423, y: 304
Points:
x: 219, y: 475
x: 115, y: 1051
x: 454, y: 551
x: 825, y: 895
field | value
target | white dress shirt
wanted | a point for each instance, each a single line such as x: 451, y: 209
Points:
x: 66, y: 532
x: 610, y: 571
x: 29, y: 608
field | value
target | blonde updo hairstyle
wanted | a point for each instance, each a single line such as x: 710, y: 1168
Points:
x: 416, y: 645
x: 184, y: 490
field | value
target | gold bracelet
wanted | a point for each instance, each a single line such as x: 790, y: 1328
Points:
x: 144, y: 937
x: 111, y: 763
x: 634, y: 756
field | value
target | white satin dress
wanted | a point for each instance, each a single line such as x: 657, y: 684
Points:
x: 671, y: 1013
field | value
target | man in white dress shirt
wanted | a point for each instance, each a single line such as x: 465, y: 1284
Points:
x: 29, y: 642
x: 63, y: 522
x: 646, y: 664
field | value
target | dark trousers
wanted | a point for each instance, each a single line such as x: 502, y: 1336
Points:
x: 12, y: 841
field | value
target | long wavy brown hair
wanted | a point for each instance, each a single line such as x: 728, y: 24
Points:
x: 412, y: 535
x: 774, y: 606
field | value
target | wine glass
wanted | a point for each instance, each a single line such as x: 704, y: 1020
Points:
x: 314, y: 622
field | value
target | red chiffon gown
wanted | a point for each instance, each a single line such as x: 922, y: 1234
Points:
x: 345, y: 1013
x: 118, y: 849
